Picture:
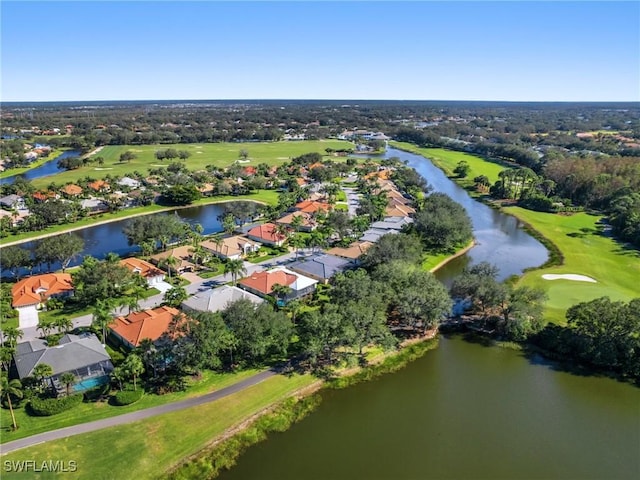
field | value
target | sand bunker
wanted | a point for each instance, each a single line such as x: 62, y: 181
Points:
x: 106, y: 168
x: 568, y: 276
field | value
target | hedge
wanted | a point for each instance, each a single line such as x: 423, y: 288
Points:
x: 127, y: 397
x: 44, y: 407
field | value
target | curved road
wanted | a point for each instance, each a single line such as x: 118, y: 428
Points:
x: 135, y: 416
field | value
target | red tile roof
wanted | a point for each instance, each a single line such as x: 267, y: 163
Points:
x: 151, y: 324
x: 311, y: 206
x: 263, y: 282
x: 266, y: 231
x: 140, y: 266
x: 71, y: 189
x: 36, y: 289
x: 98, y: 185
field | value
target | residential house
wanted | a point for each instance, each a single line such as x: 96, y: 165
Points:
x: 71, y: 190
x: 129, y: 182
x: 149, y: 272
x: 82, y: 355
x: 261, y: 283
x: 183, y: 256
x: 99, y: 186
x: 374, y: 234
x: 266, y: 233
x: 217, y: 299
x: 320, y: 267
x: 148, y: 324
x: 29, y: 295
x: 44, y: 196
x: 353, y: 252
x: 231, y: 248
x: 312, y: 206
x: 399, y: 211
x: 308, y: 222
x: 392, y: 223
x: 94, y: 205
x: 12, y: 201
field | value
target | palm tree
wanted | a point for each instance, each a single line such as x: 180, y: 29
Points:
x: 63, y: 324
x: 133, y: 366
x: 170, y: 262
x: 296, y: 222
x: 44, y: 326
x: 102, y: 317
x: 68, y: 379
x: 281, y: 291
x: 10, y: 335
x: 112, y: 257
x: 42, y: 371
x: 149, y: 354
x: 235, y: 268
x: 118, y: 374
x: 147, y: 247
x: 294, y: 307
x: 9, y: 388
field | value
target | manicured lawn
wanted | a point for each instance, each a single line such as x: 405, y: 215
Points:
x: 447, y: 160
x: 587, y: 252
x: 265, y: 196
x: 147, y: 449
x: 202, y: 154
x: 266, y: 252
x: 88, y: 412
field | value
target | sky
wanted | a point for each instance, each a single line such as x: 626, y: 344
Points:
x: 419, y: 50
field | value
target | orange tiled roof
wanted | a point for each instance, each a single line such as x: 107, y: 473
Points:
x: 140, y: 266
x: 266, y: 231
x: 71, y: 189
x: 352, y: 251
x: 36, y: 289
x: 150, y: 324
x: 311, y: 206
x: 98, y: 185
x: 42, y: 196
x: 307, y: 219
x: 263, y: 282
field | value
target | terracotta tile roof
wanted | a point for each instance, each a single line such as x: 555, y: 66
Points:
x: 71, y: 189
x: 311, y: 206
x: 140, y: 266
x: 36, y: 289
x: 98, y: 185
x: 316, y: 165
x: 353, y: 251
x: 151, y: 324
x: 230, y: 245
x: 42, y: 196
x: 266, y: 231
x: 249, y: 170
x: 301, y: 182
x: 307, y: 219
x: 398, y: 211
x: 263, y: 282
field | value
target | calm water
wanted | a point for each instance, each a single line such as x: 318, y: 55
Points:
x: 44, y: 170
x: 501, y: 238
x: 102, y: 239
x: 464, y: 411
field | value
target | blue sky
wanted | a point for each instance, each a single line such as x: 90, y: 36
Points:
x: 514, y: 51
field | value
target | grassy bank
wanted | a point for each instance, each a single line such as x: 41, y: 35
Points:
x: 586, y: 251
x: 148, y: 448
x: 263, y: 196
x: 202, y: 154
x: 447, y: 160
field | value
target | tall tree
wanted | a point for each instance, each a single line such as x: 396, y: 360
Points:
x: 235, y: 268
x: 8, y: 389
x: 14, y: 258
x: 133, y: 366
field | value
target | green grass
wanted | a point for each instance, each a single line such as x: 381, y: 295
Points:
x: 219, y: 270
x: 265, y: 196
x: 266, y: 252
x: 341, y: 196
x: 447, y: 160
x: 148, y: 448
x: 341, y: 207
x: 88, y: 412
x: 586, y: 252
x: 202, y: 154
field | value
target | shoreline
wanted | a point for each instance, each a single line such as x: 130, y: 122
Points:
x: 125, y: 217
x: 459, y: 253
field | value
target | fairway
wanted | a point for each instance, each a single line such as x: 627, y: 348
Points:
x: 148, y: 448
x: 447, y: 160
x: 586, y: 251
x: 202, y: 154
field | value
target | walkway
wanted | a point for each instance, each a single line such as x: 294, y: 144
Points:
x: 135, y: 416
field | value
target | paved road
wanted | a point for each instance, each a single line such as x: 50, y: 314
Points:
x: 135, y: 416
x: 155, y: 300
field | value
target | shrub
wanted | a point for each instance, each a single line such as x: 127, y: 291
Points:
x: 127, y: 397
x: 45, y: 407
